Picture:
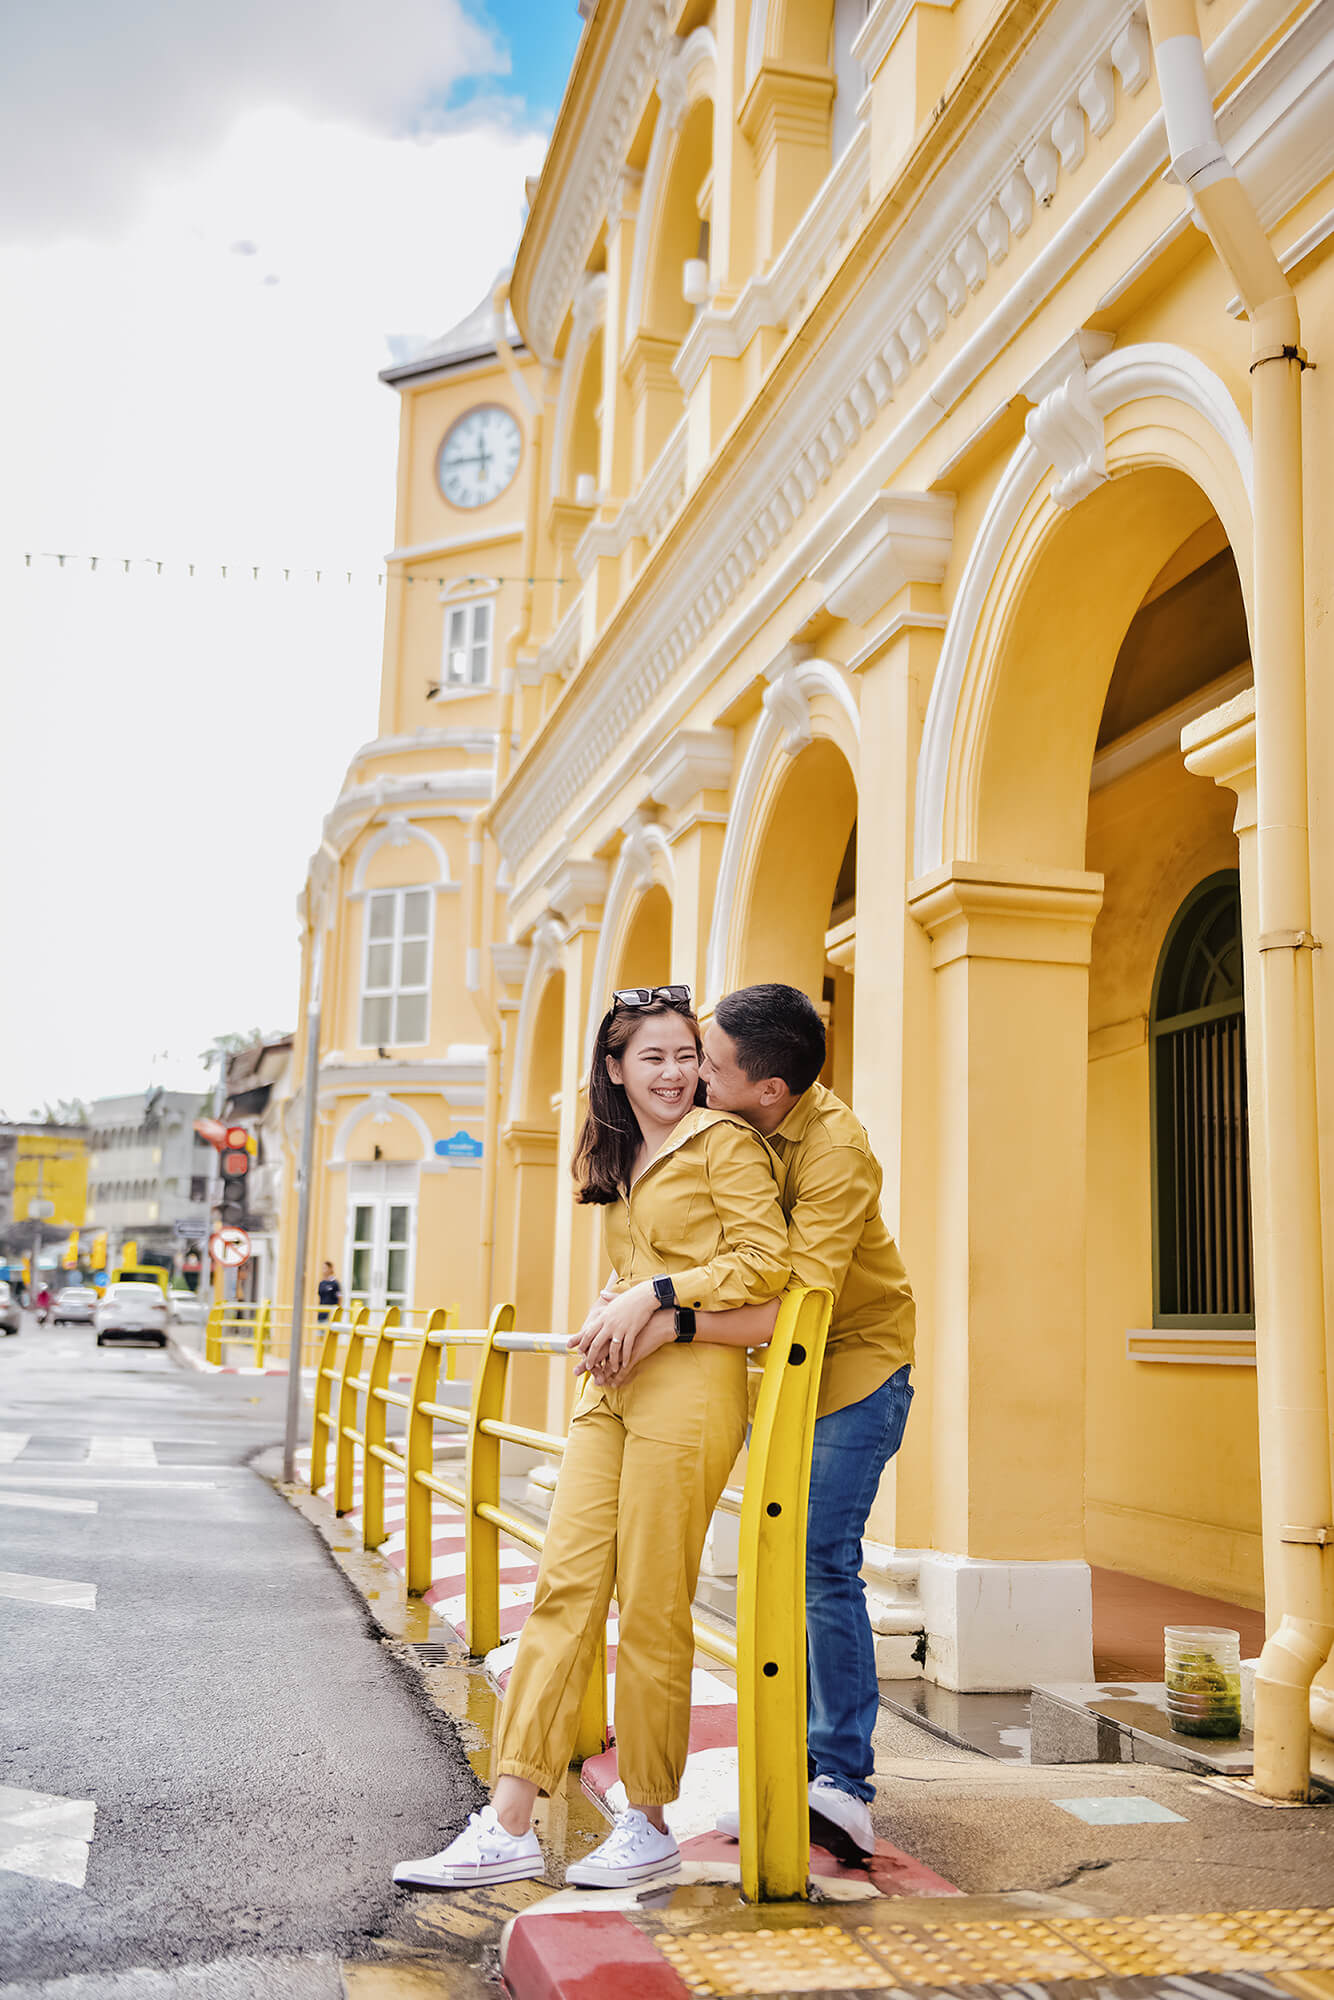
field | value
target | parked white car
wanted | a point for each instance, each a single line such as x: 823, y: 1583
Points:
x: 11, y: 1319
x: 188, y: 1309
x: 137, y: 1309
x: 74, y: 1306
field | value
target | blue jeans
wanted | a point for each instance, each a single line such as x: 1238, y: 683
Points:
x: 852, y: 1448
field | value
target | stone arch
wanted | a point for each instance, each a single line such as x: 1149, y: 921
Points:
x: 643, y: 866
x: 806, y: 699
x: 544, y: 964
x: 580, y: 386
x: 1164, y: 415
x: 402, y: 832
x: 382, y: 1106
x: 679, y: 157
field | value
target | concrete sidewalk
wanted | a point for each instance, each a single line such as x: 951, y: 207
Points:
x: 988, y: 1873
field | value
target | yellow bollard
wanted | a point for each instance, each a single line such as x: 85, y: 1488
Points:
x: 322, y: 1418
x: 345, y: 1421
x: 771, y: 1607
x: 375, y: 1430
x: 420, y: 1455
x: 262, y: 1323
x: 212, y: 1336
x: 482, y: 1484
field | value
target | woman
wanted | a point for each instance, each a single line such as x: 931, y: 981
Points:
x: 692, y: 1219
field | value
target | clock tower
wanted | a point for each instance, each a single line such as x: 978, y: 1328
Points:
x: 393, y: 894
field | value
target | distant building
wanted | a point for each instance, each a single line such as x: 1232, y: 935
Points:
x: 149, y: 1171
x: 41, y: 1162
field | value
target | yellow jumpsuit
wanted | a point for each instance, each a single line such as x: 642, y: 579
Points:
x: 644, y: 1467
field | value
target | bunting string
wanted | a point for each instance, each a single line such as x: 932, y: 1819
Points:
x: 233, y: 572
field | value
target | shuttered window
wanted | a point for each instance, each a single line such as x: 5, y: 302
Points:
x: 1202, y: 1187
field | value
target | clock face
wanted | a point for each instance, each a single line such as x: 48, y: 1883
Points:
x: 479, y: 456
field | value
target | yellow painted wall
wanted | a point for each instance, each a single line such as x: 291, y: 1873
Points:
x: 1172, y: 1448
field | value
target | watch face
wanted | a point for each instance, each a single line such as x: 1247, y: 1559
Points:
x: 479, y: 456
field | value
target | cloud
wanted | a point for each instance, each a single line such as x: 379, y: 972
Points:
x: 97, y: 99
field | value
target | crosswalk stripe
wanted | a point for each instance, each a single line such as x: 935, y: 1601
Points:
x: 45, y: 1836
x: 121, y: 1451
x: 49, y: 1503
x: 54, y: 1590
x: 11, y: 1444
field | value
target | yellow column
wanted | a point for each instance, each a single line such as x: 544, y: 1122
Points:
x: 1010, y: 952
x: 785, y: 117
x: 689, y: 776
x: 576, y: 896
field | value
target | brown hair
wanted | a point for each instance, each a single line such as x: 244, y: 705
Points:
x: 610, y: 1136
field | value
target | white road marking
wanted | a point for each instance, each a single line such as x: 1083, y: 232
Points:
x: 57, y: 1590
x: 121, y: 1451
x: 11, y: 1444
x: 50, y: 1503
x: 45, y: 1836
x: 145, y: 1485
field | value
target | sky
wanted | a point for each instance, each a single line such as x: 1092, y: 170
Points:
x: 213, y: 221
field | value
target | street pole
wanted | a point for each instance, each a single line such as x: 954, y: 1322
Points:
x: 304, y: 1177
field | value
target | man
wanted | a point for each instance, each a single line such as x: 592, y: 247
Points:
x: 763, y: 1051
x: 329, y: 1290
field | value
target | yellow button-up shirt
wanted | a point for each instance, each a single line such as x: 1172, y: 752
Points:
x: 829, y: 1183
x: 705, y: 1213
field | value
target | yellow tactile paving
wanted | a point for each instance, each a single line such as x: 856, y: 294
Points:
x: 809, y: 1958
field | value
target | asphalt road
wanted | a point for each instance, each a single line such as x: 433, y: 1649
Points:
x: 186, y: 1677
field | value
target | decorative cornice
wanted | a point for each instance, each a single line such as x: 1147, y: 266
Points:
x: 901, y: 538
x: 828, y: 406
x: 691, y: 761
x: 577, y: 886
x: 581, y: 186
x: 786, y: 101
x: 1063, y: 427
x: 1221, y: 746
x: 1040, y: 915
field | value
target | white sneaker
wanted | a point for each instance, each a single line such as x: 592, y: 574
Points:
x: 634, y: 1851
x: 843, y: 1814
x: 483, y: 1852
x: 728, y: 1824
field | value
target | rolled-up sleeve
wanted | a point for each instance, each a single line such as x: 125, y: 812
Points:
x: 751, y: 1264
x: 839, y: 1188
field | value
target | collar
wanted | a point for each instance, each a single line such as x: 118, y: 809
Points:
x: 795, y: 1125
x: 697, y: 1119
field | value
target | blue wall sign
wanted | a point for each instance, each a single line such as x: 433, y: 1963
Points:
x: 461, y: 1146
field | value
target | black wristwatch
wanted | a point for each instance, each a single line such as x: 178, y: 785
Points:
x: 685, y: 1323
x: 664, y: 1291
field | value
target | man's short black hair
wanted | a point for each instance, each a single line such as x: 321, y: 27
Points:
x: 777, y: 1032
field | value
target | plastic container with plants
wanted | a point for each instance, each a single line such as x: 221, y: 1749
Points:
x: 1203, y: 1671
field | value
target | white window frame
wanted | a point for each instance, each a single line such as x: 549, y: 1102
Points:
x: 379, y: 1203
x: 395, y: 991
x: 461, y: 644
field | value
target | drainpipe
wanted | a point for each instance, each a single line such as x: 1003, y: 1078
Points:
x: 481, y: 850
x: 1294, y: 1410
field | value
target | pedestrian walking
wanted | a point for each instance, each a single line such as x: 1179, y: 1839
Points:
x: 692, y: 1223
x: 329, y: 1292
x: 763, y: 1053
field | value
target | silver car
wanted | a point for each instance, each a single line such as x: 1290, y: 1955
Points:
x: 75, y: 1306
x: 131, y: 1308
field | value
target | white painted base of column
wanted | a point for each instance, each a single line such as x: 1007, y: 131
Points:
x: 996, y: 1626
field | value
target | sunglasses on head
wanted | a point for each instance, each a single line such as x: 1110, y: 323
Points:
x: 645, y: 996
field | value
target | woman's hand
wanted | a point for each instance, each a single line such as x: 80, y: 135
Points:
x: 660, y: 1332
x: 609, y: 1337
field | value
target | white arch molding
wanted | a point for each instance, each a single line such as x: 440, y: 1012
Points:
x: 380, y: 1106
x: 645, y: 860
x: 544, y: 958
x: 1152, y: 368
x: 687, y: 75
x: 589, y: 318
x: 785, y: 729
x: 402, y: 832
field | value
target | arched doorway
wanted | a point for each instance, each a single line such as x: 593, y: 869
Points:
x: 1057, y: 834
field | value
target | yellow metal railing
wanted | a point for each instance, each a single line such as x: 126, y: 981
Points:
x: 767, y: 1648
x: 262, y: 1327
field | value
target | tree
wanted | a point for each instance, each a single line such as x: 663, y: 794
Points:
x: 229, y: 1045
x: 65, y: 1111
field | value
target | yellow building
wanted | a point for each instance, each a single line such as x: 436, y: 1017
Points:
x: 909, y: 484
x: 51, y: 1165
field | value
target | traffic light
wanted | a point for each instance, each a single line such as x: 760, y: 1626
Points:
x: 235, y: 1165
